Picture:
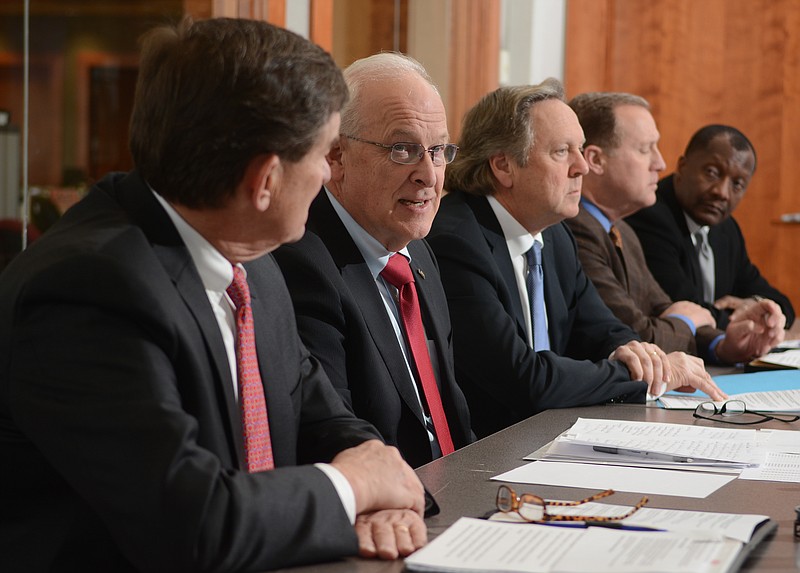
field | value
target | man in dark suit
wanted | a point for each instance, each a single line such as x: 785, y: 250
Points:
x: 153, y: 414
x: 693, y: 212
x: 621, y: 151
x: 518, y: 352
x: 381, y: 200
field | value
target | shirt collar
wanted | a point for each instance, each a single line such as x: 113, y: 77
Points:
x: 374, y: 253
x: 518, y: 239
x: 693, y: 226
x: 595, y: 212
x: 215, y: 270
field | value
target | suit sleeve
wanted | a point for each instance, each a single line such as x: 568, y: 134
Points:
x: 748, y: 280
x: 493, y: 359
x: 100, y: 385
x: 590, y: 328
x: 669, y: 333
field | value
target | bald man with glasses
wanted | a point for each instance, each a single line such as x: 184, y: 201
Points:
x: 366, y: 289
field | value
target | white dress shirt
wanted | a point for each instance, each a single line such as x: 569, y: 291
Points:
x: 216, y: 272
x: 519, y: 242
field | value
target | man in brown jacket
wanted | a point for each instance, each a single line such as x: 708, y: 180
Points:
x: 622, y: 154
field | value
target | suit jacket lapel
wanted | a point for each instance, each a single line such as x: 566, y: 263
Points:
x: 359, y: 280
x: 671, y: 201
x: 493, y: 233
x: 277, y: 398
x: 431, y: 306
x: 144, y: 209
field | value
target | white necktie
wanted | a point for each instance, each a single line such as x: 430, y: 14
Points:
x: 706, y: 258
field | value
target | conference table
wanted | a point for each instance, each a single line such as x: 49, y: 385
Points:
x: 462, y: 486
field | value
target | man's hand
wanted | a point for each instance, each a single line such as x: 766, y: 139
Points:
x: 730, y: 302
x: 689, y: 374
x: 390, y: 533
x: 646, y: 362
x: 764, y: 311
x: 697, y: 314
x: 663, y: 372
x: 380, y: 478
x: 753, y: 331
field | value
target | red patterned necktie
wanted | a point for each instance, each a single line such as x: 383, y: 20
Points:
x: 398, y: 273
x: 255, y: 425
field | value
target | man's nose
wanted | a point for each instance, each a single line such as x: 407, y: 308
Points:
x: 723, y: 188
x: 424, y: 173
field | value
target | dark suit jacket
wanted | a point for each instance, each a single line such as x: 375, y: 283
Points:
x: 503, y: 378
x: 628, y: 288
x: 672, y: 258
x: 119, y: 432
x: 343, y: 322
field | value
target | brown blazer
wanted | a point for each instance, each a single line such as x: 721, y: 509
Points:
x: 629, y: 289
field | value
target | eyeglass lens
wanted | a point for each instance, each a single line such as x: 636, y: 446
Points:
x: 737, y: 408
x: 407, y: 153
x: 533, y: 508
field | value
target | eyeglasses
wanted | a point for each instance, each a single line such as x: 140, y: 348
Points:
x: 733, y: 408
x: 533, y: 508
x: 411, y: 153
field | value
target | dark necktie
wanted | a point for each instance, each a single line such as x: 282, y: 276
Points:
x: 398, y: 273
x: 534, y: 282
x: 255, y: 425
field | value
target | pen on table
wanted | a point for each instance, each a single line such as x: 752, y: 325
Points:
x: 643, y: 454
x: 606, y: 524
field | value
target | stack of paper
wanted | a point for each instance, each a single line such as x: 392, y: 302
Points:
x: 480, y: 545
x: 648, y: 453
x: 787, y: 355
x: 677, y: 446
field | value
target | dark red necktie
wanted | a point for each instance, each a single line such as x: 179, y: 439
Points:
x: 255, y: 425
x: 398, y: 273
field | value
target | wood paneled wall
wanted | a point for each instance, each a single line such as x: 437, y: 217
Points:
x: 474, y: 57
x: 709, y: 61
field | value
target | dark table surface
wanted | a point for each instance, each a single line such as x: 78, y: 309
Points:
x: 461, y: 484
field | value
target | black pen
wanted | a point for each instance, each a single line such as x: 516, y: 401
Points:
x: 623, y: 526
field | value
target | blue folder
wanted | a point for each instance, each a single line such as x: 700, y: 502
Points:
x: 754, y: 382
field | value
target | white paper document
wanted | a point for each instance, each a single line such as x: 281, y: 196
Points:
x: 778, y: 467
x: 619, y: 478
x: 789, y: 358
x: 679, y: 444
x: 767, y: 401
x: 732, y: 525
x: 480, y: 545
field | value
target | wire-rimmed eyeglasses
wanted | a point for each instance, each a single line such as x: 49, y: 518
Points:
x: 533, y: 508
x: 737, y: 409
x: 411, y: 153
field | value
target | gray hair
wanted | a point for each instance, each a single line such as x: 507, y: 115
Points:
x: 376, y: 68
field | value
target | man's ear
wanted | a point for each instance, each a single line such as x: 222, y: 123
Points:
x: 502, y: 169
x: 595, y: 159
x: 334, y: 158
x: 261, y: 179
x: 679, y: 169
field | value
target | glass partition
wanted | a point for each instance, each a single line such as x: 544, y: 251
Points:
x: 72, y: 65
x: 79, y: 58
